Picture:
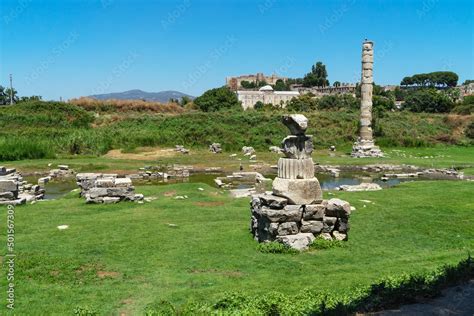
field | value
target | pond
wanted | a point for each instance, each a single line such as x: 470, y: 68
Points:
x: 57, y: 189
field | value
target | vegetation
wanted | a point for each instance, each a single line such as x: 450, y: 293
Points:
x: 440, y: 79
x: 6, y: 95
x: 466, y: 107
x: 317, y: 76
x: 428, y: 100
x: 61, y: 128
x: 217, y: 99
x: 127, y: 258
x: 121, y: 106
x: 253, y: 85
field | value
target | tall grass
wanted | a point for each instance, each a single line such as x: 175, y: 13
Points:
x: 113, y: 105
x: 17, y: 148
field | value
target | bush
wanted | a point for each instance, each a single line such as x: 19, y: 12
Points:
x: 113, y: 105
x: 428, y: 100
x: 470, y: 131
x: 321, y: 243
x: 217, y: 99
x: 335, y: 102
x: 275, y: 247
x: 303, y: 103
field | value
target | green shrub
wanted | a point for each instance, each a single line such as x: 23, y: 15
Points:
x: 217, y: 99
x: 321, y: 243
x: 428, y: 100
x: 275, y: 247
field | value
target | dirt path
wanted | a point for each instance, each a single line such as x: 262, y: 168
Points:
x: 458, y: 300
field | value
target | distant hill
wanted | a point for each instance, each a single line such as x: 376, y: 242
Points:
x: 136, y: 94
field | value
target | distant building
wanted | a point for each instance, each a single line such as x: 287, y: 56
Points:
x: 265, y: 95
x: 344, y: 88
x: 234, y: 83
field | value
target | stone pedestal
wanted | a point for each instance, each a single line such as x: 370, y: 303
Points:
x: 295, y: 212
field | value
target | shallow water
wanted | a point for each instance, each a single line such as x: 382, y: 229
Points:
x: 57, y: 189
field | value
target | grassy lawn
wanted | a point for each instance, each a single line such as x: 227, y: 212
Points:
x: 436, y: 157
x: 119, y: 258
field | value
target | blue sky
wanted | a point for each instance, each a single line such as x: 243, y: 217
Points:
x: 71, y: 48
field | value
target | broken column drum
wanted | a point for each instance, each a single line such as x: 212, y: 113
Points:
x: 294, y: 213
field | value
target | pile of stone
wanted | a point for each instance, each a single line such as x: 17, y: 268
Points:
x: 14, y: 190
x: 275, y: 149
x: 255, y: 182
x: 106, y: 188
x: 295, y: 213
x: 360, y: 187
x: 248, y: 151
x: 181, y: 149
x: 215, y: 148
x: 63, y: 171
x: 152, y: 173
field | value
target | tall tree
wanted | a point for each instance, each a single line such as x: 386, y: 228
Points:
x: 317, y: 76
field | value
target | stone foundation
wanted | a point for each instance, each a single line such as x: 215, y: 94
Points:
x: 273, y: 219
x: 14, y: 190
x: 295, y: 213
x: 106, y: 188
x: 365, y: 148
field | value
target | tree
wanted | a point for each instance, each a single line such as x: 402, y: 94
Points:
x: 303, y: 103
x: 466, y: 82
x: 31, y: 98
x: 247, y: 85
x: 439, y: 79
x: 5, y: 95
x: 185, y: 100
x: 259, y: 105
x: 335, y: 102
x: 317, y: 76
x: 336, y: 84
x: 428, y: 100
x: 280, y: 85
x: 217, y: 99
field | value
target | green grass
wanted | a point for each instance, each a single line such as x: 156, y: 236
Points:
x: 432, y: 157
x: 412, y: 228
x: 68, y: 129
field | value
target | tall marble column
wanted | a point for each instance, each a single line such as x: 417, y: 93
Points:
x: 365, y: 147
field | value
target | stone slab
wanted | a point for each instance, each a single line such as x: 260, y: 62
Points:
x: 298, y: 191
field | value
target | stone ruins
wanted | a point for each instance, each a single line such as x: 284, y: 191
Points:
x: 294, y: 213
x: 365, y: 146
x: 106, y: 188
x: 14, y: 190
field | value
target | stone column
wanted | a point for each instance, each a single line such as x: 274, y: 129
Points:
x: 366, y: 88
x: 365, y: 147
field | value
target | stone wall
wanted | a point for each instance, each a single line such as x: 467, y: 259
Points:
x: 14, y: 190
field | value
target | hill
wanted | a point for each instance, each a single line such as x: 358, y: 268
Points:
x: 136, y: 94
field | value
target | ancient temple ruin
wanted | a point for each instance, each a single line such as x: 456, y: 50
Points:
x: 294, y: 213
x: 365, y: 146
